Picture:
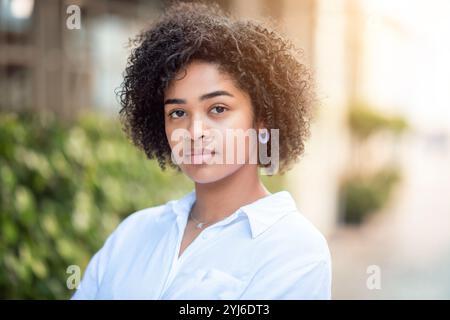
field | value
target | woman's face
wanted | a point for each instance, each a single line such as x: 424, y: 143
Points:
x: 201, y: 105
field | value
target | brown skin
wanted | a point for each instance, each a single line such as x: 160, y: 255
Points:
x: 221, y: 189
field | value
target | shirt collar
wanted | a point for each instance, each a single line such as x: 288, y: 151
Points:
x: 183, y: 205
x: 261, y: 214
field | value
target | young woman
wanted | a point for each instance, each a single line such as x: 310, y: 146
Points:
x: 198, y: 73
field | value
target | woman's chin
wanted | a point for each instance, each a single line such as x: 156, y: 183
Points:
x: 208, y: 173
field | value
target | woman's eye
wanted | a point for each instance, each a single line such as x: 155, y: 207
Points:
x: 176, y: 114
x: 218, y: 109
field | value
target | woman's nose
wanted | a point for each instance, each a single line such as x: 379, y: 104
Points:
x: 198, y: 129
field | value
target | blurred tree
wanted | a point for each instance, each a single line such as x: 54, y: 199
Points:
x: 364, y: 121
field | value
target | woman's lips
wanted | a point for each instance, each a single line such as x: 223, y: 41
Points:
x: 199, y: 158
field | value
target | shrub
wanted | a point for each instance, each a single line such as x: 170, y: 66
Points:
x: 361, y: 196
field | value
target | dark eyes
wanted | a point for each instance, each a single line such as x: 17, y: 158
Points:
x: 219, y: 109
x: 176, y: 114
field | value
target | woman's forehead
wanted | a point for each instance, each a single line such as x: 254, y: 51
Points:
x: 199, y: 78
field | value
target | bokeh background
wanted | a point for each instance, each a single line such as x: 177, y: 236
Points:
x: 375, y: 176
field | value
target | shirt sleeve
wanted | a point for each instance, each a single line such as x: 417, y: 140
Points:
x: 291, y: 281
x: 88, y: 288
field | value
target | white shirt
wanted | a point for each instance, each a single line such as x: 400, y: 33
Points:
x: 264, y: 250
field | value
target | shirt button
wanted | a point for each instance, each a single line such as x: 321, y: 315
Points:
x: 205, y: 236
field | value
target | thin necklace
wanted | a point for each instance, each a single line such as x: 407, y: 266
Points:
x: 199, y: 224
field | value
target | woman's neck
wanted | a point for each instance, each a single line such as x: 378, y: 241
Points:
x: 217, y: 200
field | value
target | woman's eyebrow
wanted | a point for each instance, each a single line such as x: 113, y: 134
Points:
x: 215, y: 94
x: 202, y: 98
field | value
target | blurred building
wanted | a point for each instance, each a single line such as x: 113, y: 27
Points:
x: 46, y: 65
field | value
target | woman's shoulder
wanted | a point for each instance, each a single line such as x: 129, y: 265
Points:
x: 296, y: 235
x: 300, y: 228
x: 142, y: 217
x: 138, y: 224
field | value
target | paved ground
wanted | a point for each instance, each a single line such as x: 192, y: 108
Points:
x: 409, y: 240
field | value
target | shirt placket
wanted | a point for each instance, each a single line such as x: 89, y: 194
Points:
x: 202, y: 236
x: 180, y: 224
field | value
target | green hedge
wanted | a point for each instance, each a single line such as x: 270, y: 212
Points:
x: 364, y: 121
x: 361, y: 196
x: 64, y: 188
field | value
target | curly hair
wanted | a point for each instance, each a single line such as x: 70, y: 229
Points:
x: 262, y: 62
